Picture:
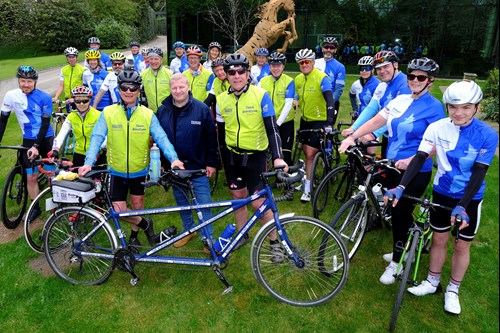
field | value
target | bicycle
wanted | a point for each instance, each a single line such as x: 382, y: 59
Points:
x: 338, y: 186
x: 83, y: 248
x: 15, y: 190
x: 419, y: 239
x: 352, y: 218
x: 58, y: 118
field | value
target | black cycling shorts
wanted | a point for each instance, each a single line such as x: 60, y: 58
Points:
x: 240, y: 176
x: 311, y: 138
x: 120, y: 187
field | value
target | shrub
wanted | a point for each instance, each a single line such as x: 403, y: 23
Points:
x: 489, y: 105
x: 114, y: 34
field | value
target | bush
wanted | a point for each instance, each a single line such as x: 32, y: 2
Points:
x: 115, y: 35
x: 489, y: 105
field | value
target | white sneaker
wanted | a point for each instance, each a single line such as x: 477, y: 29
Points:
x: 388, y: 276
x: 451, y: 302
x: 306, y: 197
x: 388, y: 257
x: 424, y: 288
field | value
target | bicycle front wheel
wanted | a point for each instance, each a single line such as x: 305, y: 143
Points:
x: 323, y: 262
x: 14, y: 197
x: 350, y: 223
x: 404, y: 279
x: 319, y: 170
x: 86, y: 262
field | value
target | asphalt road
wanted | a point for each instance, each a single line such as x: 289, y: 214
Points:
x: 48, y: 79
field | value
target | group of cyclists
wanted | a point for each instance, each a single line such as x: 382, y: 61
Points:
x: 118, y: 103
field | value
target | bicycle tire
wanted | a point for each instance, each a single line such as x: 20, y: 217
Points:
x: 404, y: 279
x: 333, y: 191
x: 318, y: 171
x: 61, y: 236
x: 307, y: 285
x: 213, y: 181
x: 14, y: 198
x: 350, y: 223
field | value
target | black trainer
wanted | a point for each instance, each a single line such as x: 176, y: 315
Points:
x: 35, y: 212
x: 150, y: 232
x: 165, y: 234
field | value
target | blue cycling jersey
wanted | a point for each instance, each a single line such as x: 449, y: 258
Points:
x: 407, y: 120
x: 367, y: 92
x: 29, y: 109
x: 457, y: 149
x: 336, y: 72
x: 257, y: 73
x: 94, y: 81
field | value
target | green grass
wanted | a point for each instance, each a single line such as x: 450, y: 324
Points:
x: 179, y: 300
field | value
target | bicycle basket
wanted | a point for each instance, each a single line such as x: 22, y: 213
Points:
x: 80, y: 190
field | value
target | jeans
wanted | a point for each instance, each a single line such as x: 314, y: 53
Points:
x: 202, y: 193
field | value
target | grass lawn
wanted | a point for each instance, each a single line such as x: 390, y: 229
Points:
x: 175, y: 299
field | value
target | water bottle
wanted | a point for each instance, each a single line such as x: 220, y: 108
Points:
x: 328, y: 148
x: 155, y: 163
x: 377, y: 191
x: 224, y: 238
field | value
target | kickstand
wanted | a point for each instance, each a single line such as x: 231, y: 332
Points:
x: 229, y: 288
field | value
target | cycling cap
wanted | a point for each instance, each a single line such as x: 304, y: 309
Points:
x: 27, y: 72
x: 179, y: 44
x: 129, y: 76
x: 383, y: 58
x: 117, y: 56
x: 92, y: 54
x: 155, y: 51
x: 462, y: 92
x: 330, y: 40
x: 262, y: 52
x: 215, y: 44
x: 71, y: 51
x: 425, y: 65
x: 365, y: 61
x: 194, y: 50
x: 81, y: 91
x: 94, y: 40
x: 277, y: 58
x: 235, y: 60
x: 134, y: 44
x: 218, y: 62
x: 304, y: 54
x: 145, y: 50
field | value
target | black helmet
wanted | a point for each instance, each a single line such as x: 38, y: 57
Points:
x: 236, y: 59
x: 425, y: 65
x: 215, y: 44
x: 277, y: 58
x: 129, y: 76
x: 27, y: 72
x: 218, y: 62
x: 157, y: 51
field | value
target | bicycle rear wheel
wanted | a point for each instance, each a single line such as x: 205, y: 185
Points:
x: 63, y: 245
x: 350, y: 223
x: 319, y: 170
x: 322, y: 275
x: 14, y: 197
x: 404, y: 279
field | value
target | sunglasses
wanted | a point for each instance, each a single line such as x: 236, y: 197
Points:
x: 366, y: 68
x: 240, y: 71
x: 420, y: 78
x: 82, y: 101
x: 117, y: 63
x: 329, y: 47
x: 129, y: 88
x: 305, y: 62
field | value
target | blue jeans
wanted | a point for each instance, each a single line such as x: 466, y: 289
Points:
x: 202, y: 193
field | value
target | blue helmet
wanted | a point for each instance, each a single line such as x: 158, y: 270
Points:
x: 179, y: 44
x: 262, y: 52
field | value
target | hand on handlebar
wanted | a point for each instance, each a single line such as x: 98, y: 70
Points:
x: 177, y: 164
x: 32, y: 153
x: 396, y: 193
x: 345, y: 133
x: 53, y: 155
x: 280, y: 163
x: 346, y: 143
x: 82, y: 171
x: 459, y: 210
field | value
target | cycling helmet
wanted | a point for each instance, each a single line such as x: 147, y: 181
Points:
x: 262, y: 52
x: 157, y: 51
x: 218, y: 62
x: 277, y: 58
x: 304, y: 54
x: 425, y: 65
x: 383, y: 58
x: 194, y: 50
x: 462, y: 92
x: 179, y: 44
x: 117, y: 56
x: 236, y: 59
x: 215, y: 44
x: 129, y: 76
x: 71, y: 51
x: 92, y: 54
x: 365, y: 61
x: 145, y: 50
x: 134, y: 44
x: 94, y: 40
x: 27, y: 72
x: 330, y: 40
x: 81, y: 91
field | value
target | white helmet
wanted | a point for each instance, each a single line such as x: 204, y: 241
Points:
x: 365, y: 61
x: 462, y: 92
x: 304, y: 54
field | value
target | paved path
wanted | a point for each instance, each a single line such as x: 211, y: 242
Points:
x: 48, y: 80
